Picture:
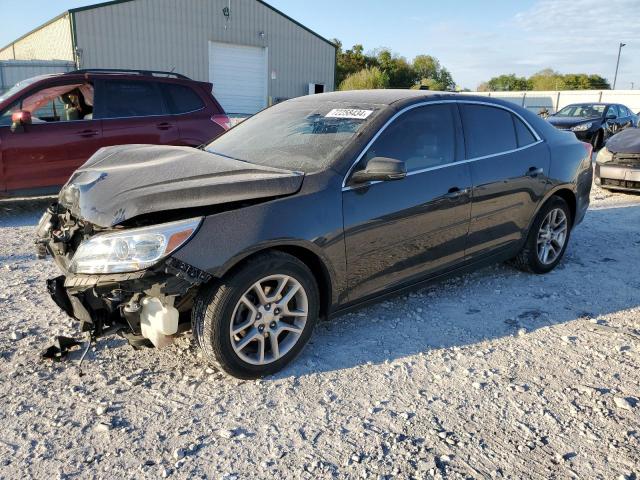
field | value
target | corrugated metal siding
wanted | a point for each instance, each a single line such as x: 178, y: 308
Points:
x: 50, y: 42
x: 13, y: 71
x: 175, y: 34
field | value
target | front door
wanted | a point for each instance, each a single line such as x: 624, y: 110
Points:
x: 398, y: 231
x: 509, y: 169
x: 61, y: 137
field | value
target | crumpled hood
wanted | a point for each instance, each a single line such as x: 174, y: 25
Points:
x: 568, y: 122
x: 627, y: 141
x: 123, y: 182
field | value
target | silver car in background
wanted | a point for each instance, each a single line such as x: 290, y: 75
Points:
x: 618, y: 163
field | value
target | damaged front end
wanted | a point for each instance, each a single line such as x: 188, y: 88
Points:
x: 121, y: 278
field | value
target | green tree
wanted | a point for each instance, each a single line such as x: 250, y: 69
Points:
x: 431, y: 74
x: 350, y: 61
x: 400, y: 73
x: 365, y: 79
x: 506, y: 83
x: 547, y: 79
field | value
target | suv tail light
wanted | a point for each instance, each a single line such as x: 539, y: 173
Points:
x: 588, y: 148
x: 222, y: 120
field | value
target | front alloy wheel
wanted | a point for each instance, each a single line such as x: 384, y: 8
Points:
x: 258, y: 318
x: 269, y: 319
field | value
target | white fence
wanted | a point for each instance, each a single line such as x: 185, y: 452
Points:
x: 555, y: 100
x: 14, y: 71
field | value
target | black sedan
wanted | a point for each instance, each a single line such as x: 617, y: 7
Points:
x: 594, y: 122
x: 311, y: 207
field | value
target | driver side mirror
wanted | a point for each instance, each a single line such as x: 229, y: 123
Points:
x: 611, y: 116
x: 380, y: 169
x: 19, y: 120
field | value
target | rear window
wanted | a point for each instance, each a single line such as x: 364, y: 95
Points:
x: 297, y: 135
x: 123, y: 98
x: 525, y: 137
x: 487, y: 130
x: 182, y: 99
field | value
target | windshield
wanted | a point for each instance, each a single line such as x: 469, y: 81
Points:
x: 586, y: 111
x: 299, y: 135
x: 20, y: 86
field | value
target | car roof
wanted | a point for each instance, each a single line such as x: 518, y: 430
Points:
x: 379, y: 97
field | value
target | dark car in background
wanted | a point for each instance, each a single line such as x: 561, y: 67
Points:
x: 338, y: 199
x: 51, y: 124
x: 618, y: 163
x: 594, y: 123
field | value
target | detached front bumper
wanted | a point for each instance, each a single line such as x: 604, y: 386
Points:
x: 617, y: 177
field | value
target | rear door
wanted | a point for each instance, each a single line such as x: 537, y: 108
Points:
x: 192, y: 113
x: 134, y: 111
x: 509, y: 168
x: 398, y: 231
x: 46, y: 152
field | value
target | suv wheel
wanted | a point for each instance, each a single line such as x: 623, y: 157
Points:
x: 548, y: 238
x: 255, y: 321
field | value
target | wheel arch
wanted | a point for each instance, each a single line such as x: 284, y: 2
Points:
x: 319, y: 268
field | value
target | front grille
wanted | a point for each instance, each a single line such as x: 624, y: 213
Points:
x: 627, y: 159
x: 608, y: 182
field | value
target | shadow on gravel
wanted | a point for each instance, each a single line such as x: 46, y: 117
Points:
x: 491, y: 303
x: 23, y: 212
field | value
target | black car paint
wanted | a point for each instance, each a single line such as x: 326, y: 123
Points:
x: 368, y: 240
x: 608, y: 127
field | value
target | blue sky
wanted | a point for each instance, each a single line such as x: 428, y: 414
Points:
x: 475, y: 40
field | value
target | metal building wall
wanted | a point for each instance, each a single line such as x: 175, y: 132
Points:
x: 174, y: 34
x: 14, y: 71
x: 52, y: 41
x: 554, y: 100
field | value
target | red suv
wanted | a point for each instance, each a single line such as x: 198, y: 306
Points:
x: 51, y: 124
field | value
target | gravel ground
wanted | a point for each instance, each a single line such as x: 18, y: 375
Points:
x: 497, y: 374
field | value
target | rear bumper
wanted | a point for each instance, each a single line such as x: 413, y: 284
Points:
x: 617, y: 177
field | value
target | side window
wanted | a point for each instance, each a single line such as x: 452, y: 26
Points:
x: 54, y: 104
x: 423, y: 137
x: 181, y: 99
x: 523, y: 134
x: 624, y: 112
x: 612, y: 110
x: 129, y: 98
x: 487, y: 130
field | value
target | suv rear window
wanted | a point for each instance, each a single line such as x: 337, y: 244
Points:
x: 182, y: 99
x: 125, y: 98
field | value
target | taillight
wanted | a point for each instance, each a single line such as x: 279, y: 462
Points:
x: 589, y: 149
x: 222, y: 120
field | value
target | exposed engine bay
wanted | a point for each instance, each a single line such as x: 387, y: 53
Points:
x: 150, y: 305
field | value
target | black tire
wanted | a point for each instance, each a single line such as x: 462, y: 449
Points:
x: 215, y: 304
x: 527, y: 260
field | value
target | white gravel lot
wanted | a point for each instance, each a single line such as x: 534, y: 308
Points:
x: 497, y: 374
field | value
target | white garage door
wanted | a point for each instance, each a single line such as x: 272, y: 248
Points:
x: 239, y: 76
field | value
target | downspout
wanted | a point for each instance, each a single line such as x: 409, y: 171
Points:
x: 74, y: 40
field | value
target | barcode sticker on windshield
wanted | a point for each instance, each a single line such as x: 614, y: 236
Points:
x: 349, y: 113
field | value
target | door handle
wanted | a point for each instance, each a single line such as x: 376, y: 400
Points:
x: 455, y: 192
x: 88, y: 133
x: 164, y: 126
x: 534, y: 172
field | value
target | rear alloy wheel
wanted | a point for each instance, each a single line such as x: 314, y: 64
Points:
x: 258, y: 319
x: 548, y: 238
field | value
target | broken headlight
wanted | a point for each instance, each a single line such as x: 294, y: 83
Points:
x: 604, y: 155
x: 132, y: 249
